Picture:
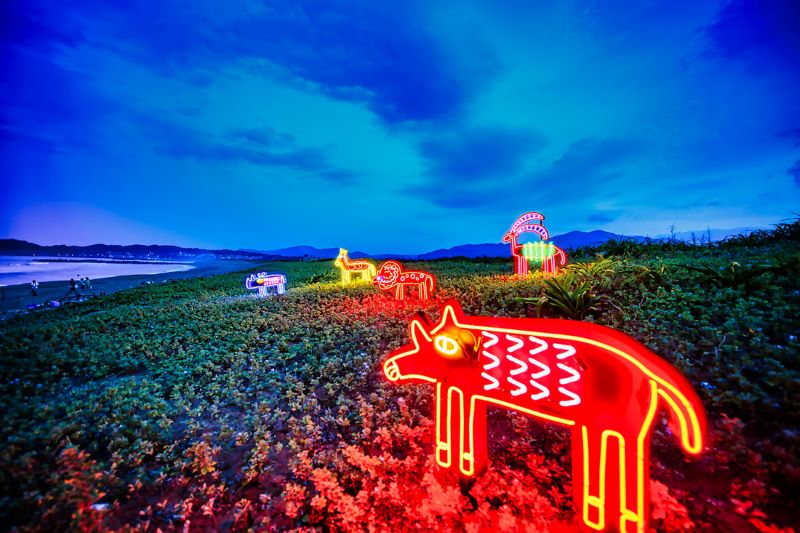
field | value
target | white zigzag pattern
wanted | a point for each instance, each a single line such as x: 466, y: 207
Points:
x: 521, y: 389
x: 493, y: 381
x: 493, y: 339
x: 575, y: 399
x: 518, y: 343
x: 495, y: 361
x: 521, y: 367
x: 544, y: 370
x: 567, y: 351
x: 574, y: 375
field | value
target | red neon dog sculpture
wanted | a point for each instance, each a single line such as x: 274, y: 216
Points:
x: 603, y: 384
x: 391, y: 275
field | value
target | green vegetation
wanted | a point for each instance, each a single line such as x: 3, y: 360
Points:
x: 195, y: 403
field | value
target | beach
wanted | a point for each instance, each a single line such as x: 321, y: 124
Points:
x: 16, y: 298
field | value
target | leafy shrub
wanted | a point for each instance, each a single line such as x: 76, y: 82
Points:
x: 194, y: 405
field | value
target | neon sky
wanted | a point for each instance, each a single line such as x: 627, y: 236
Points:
x: 393, y: 126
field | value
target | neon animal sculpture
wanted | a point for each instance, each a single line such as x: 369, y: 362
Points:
x: 547, y: 253
x: 263, y: 281
x: 532, y: 222
x: 392, y: 276
x: 602, y: 384
x: 363, y: 268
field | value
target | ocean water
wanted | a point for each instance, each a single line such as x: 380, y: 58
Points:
x: 15, y: 269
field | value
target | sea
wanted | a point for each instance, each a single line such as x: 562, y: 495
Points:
x: 23, y: 269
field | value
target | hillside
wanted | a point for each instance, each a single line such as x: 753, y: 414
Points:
x: 195, y: 404
x: 137, y: 251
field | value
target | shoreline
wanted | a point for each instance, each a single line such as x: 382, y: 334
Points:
x: 15, y: 299
x: 109, y: 260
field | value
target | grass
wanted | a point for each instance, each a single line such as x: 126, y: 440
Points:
x: 195, y: 403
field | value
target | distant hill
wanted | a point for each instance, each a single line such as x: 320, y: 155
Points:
x: 567, y: 241
x: 571, y: 240
x: 310, y: 251
x: 133, y: 251
x: 576, y: 239
x: 716, y: 234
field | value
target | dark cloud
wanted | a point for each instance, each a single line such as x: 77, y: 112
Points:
x: 468, y: 168
x: 763, y: 33
x: 794, y: 171
x: 586, y: 162
x: 265, y: 136
x: 265, y: 147
x: 378, y: 53
x: 25, y: 24
x: 601, y: 218
x: 50, y: 107
x: 477, y: 154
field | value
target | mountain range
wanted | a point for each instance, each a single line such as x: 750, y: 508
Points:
x: 570, y: 240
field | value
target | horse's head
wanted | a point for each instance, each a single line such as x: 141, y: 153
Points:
x: 341, y: 258
x: 386, y: 278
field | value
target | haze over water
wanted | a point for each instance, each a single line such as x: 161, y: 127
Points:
x: 16, y: 269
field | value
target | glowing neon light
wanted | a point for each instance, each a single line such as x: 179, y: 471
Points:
x: 392, y: 276
x: 538, y: 251
x: 361, y: 267
x: 446, y: 346
x: 603, y: 384
x: 263, y: 281
x: 548, y: 254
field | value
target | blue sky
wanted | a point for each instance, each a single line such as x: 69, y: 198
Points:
x: 393, y: 126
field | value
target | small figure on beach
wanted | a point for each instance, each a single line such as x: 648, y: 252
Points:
x: 88, y: 282
x: 73, y: 287
x: 34, y: 288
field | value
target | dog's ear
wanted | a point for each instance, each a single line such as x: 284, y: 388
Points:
x: 419, y: 328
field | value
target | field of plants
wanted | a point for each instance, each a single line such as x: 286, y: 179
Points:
x: 194, y: 405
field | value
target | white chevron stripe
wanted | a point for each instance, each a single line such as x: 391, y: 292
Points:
x: 494, y: 382
x: 574, y: 375
x: 522, y: 367
x: 542, y: 345
x: 574, y: 398
x: 568, y: 350
x: 545, y: 370
x: 521, y: 389
x: 493, y: 339
x: 518, y: 343
x: 544, y: 392
x: 495, y: 361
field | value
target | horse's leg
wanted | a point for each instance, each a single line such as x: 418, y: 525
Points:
x: 399, y: 293
x: 423, y: 291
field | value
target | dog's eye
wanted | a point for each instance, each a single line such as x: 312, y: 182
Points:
x: 445, y: 345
